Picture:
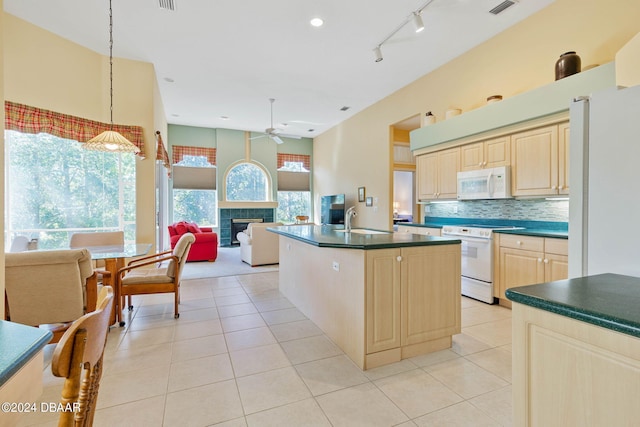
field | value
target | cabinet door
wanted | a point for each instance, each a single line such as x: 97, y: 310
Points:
x: 563, y: 158
x: 497, y: 152
x: 422, y: 319
x: 383, y: 300
x: 519, y: 268
x: 448, y: 167
x: 556, y: 267
x: 427, y: 166
x: 534, y: 157
x: 472, y: 156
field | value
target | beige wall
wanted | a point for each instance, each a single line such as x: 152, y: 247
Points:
x: 356, y: 152
x: 47, y: 71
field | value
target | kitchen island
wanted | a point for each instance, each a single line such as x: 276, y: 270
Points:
x: 380, y: 296
x: 576, y: 351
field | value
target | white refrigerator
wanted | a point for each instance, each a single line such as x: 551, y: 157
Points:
x: 604, y: 207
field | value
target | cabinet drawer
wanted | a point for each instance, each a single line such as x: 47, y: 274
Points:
x: 522, y: 242
x: 556, y: 246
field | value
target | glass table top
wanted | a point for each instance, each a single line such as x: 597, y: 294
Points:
x: 119, y: 251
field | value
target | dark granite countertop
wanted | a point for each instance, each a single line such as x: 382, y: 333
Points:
x: 559, y: 230
x: 18, y: 344
x: 334, y: 237
x: 608, y: 300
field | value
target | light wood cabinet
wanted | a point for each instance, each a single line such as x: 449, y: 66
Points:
x: 539, y: 160
x: 383, y: 300
x: 438, y: 174
x: 427, y: 231
x: 400, y: 293
x: 571, y: 373
x: 487, y: 154
x: 526, y: 260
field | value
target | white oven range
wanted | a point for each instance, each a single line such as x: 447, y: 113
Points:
x: 477, y: 258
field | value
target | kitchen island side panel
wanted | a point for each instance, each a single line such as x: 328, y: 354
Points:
x: 327, y: 286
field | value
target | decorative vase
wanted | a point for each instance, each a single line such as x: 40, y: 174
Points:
x: 568, y: 64
x: 452, y: 113
x: 429, y: 119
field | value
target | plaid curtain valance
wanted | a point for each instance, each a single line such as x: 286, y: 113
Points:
x: 27, y: 119
x: 179, y: 151
x: 305, y: 159
x: 161, y: 152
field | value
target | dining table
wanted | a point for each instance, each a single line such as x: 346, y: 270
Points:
x: 114, y: 257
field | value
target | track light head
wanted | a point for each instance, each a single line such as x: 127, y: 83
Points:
x: 378, y: 53
x: 417, y: 22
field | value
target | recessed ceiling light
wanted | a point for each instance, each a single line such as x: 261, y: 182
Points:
x: 168, y: 79
x: 175, y: 115
x: 345, y: 108
x: 224, y: 117
x: 316, y: 22
x: 310, y: 130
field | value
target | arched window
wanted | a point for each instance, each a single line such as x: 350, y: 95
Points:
x: 247, y: 182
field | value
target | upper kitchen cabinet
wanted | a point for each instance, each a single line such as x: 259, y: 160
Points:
x: 438, y: 174
x: 486, y: 154
x: 539, y: 160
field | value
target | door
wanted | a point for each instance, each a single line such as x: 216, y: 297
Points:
x: 382, y: 300
x: 534, y: 156
x: 520, y: 268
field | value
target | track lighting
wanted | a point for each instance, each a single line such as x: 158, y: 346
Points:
x: 417, y: 22
x: 378, y: 53
x: 414, y: 17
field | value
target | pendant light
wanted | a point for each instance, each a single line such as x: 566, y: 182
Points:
x: 111, y: 140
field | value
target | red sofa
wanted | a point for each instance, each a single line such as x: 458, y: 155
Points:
x: 205, y: 247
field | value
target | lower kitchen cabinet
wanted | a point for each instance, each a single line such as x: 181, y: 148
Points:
x: 409, y: 310
x: 525, y: 260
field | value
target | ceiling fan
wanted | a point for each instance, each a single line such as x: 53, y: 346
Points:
x: 274, y: 133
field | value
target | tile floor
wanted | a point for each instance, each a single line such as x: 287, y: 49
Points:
x: 242, y: 355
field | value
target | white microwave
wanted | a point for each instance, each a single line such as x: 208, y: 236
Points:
x: 492, y: 183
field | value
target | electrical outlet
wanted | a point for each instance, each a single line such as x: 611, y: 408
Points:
x: 427, y: 209
x: 335, y: 265
x: 455, y: 209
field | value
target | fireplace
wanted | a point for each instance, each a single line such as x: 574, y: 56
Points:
x: 228, y: 215
x: 240, y: 224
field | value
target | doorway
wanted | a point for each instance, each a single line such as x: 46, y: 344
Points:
x: 403, y: 167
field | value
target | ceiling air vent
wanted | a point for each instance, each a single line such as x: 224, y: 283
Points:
x: 502, y: 6
x: 167, y: 4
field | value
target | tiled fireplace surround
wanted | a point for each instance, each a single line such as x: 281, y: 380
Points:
x: 226, y: 215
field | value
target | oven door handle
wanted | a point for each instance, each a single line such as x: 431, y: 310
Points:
x: 468, y: 239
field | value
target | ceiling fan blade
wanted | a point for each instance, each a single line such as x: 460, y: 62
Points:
x: 277, y: 139
x: 289, y: 136
x: 256, y: 137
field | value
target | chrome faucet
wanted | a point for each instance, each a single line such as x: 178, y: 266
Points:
x: 350, y: 213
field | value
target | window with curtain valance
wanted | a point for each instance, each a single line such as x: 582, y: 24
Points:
x: 304, y: 160
x: 33, y: 120
x: 178, y: 152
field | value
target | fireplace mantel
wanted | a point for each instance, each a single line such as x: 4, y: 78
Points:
x: 225, y: 204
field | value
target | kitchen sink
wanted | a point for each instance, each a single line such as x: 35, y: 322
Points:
x: 364, y: 231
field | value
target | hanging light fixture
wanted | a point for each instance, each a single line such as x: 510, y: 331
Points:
x: 111, y: 140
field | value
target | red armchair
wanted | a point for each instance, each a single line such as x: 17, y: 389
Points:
x: 205, y: 247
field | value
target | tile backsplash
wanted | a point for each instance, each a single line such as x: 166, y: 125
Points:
x: 527, y: 209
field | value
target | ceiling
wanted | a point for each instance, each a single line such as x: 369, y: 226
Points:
x: 228, y: 57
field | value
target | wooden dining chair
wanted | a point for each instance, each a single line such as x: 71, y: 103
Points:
x: 78, y: 359
x: 106, y: 238
x: 148, y: 275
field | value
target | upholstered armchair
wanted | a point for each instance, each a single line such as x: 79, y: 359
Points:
x: 204, y: 248
x: 49, y: 288
x: 259, y: 246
